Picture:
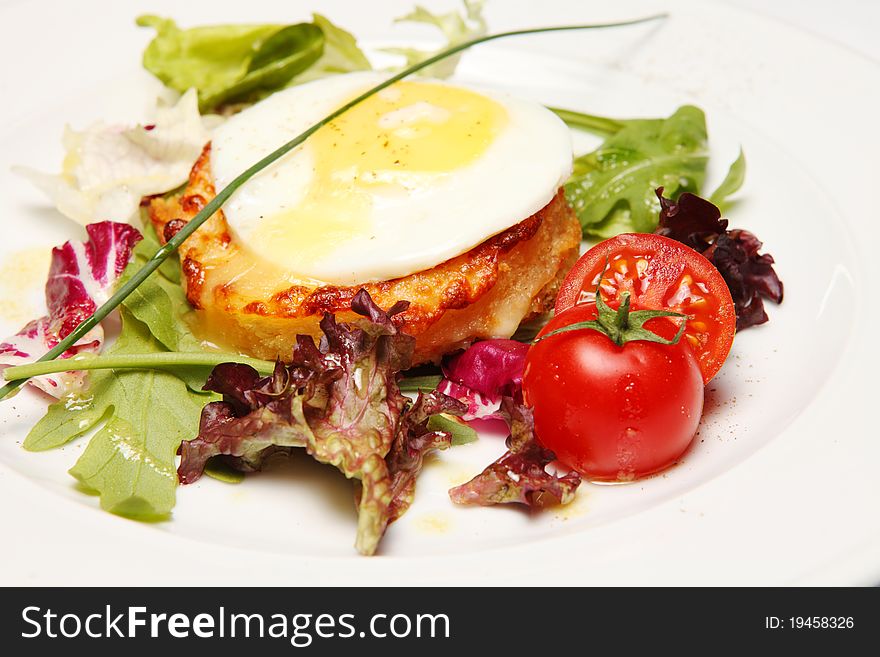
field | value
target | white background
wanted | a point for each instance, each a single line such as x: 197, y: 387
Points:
x: 851, y: 23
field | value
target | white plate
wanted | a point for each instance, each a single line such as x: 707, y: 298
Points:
x: 781, y: 486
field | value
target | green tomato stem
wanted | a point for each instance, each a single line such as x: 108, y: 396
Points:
x: 623, y: 325
x: 223, y: 195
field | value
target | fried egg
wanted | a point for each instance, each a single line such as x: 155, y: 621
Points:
x: 415, y: 175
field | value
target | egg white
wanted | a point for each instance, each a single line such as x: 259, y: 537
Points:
x: 415, y: 223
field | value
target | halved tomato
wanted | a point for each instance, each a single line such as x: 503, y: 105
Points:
x: 660, y: 274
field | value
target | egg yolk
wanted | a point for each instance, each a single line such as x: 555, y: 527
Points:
x: 390, y: 145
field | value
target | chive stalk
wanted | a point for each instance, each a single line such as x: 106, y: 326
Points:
x: 151, y: 361
x: 425, y: 383
x: 223, y: 195
x: 599, y: 125
x: 172, y: 360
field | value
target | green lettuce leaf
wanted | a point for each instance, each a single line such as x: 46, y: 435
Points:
x: 341, y: 53
x: 231, y: 64
x: 456, y: 28
x: 612, y: 188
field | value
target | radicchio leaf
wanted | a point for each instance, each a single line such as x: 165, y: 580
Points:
x: 339, y: 400
x: 82, y: 276
x: 484, y: 373
x: 520, y: 475
x: 749, y: 275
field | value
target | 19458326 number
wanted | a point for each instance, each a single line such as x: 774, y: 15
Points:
x: 810, y: 622
x: 821, y: 622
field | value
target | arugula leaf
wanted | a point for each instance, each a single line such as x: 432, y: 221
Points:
x: 158, y: 302
x: 456, y: 28
x: 218, y: 469
x: 65, y: 420
x: 460, y: 432
x: 242, y: 63
x: 170, y: 268
x: 612, y: 188
x: 732, y: 182
x: 130, y: 461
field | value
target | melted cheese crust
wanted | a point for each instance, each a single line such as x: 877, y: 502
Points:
x: 252, y: 306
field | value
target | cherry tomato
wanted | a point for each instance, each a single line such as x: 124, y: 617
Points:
x: 660, y: 274
x: 613, y: 413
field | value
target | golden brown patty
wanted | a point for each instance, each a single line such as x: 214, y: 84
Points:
x: 246, y: 304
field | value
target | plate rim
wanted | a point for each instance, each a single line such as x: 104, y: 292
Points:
x: 304, y: 570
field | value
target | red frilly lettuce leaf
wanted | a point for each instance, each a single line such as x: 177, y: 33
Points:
x: 82, y: 276
x: 691, y: 220
x: 735, y: 253
x: 749, y: 275
x: 484, y: 373
x: 414, y: 441
x: 340, y: 401
x: 520, y: 475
